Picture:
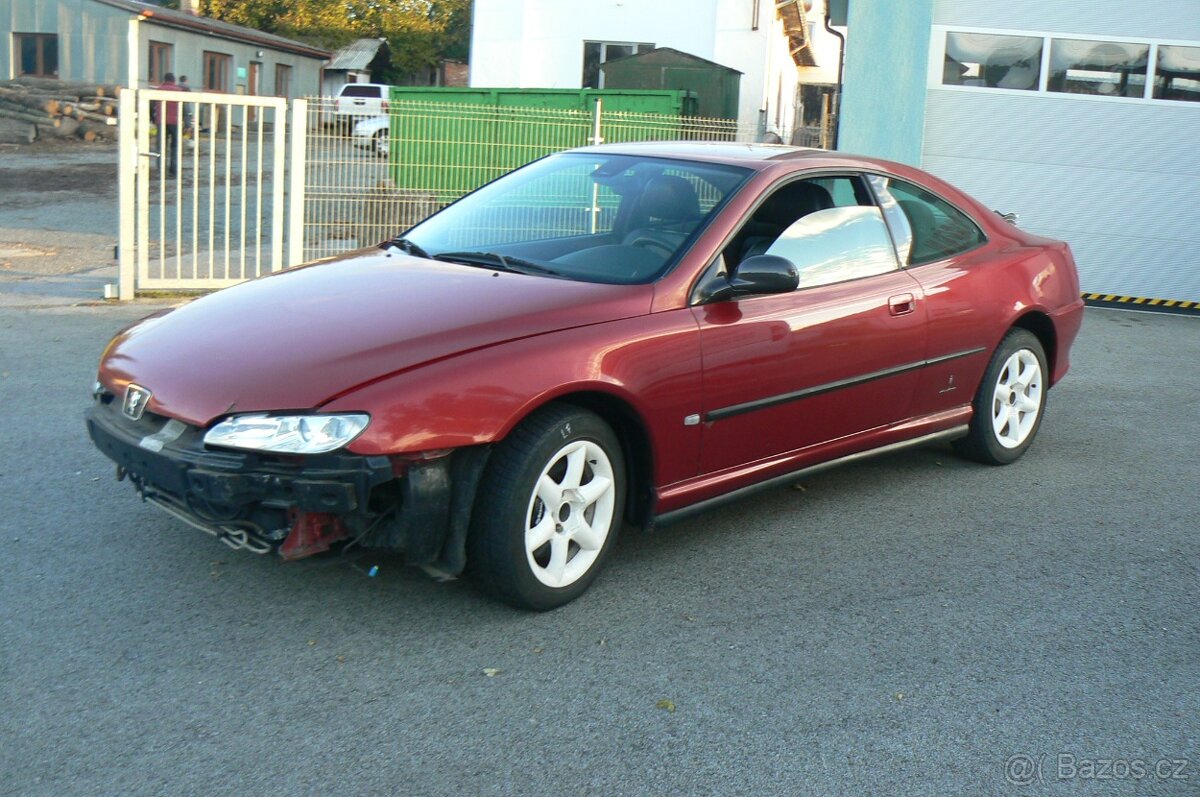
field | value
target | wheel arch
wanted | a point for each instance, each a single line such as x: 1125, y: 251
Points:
x: 1042, y: 328
x: 630, y: 428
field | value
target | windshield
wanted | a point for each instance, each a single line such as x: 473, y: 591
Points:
x: 597, y: 218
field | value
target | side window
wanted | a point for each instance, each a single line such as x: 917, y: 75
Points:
x: 827, y: 226
x: 936, y: 229
x: 836, y: 245
x: 845, y: 191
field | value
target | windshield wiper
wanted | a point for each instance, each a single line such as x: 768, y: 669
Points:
x: 497, y: 261
x: 407, y: 247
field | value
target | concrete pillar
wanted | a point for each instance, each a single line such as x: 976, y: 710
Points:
x: 883, y: 95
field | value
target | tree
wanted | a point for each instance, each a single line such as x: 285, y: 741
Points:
x: 418, y: 32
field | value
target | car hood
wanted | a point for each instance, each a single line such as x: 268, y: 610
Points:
x: 296, y: 339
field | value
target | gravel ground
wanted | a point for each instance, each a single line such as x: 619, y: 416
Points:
x: 914, y: 625
x: 58, y: 211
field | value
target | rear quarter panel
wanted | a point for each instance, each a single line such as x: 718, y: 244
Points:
x: 976, y: 298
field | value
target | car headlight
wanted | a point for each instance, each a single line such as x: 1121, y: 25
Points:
x: 287, y: 434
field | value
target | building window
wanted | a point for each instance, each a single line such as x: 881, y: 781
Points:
x: 160, y: 62
x: 283, y: 80
x: 984, y: 59
x: 36, y: 54
x: 1111, y: 69
x: 595, y: 54
x: 217, y: 67
x: 1177, y: 74
x: 1142, y: 71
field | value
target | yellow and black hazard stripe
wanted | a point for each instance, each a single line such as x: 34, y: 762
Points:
x: 1141, y: 303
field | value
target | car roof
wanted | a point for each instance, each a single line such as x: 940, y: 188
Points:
x: 754, y: 156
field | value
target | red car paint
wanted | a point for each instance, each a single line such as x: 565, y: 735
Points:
x: 443, y: 356
x: 298, y: 338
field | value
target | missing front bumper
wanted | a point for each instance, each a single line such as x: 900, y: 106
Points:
x: 297, y: 506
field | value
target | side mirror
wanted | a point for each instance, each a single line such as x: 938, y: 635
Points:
x: 756, y: 275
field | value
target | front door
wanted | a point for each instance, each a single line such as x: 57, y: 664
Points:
x: 785, y: 372
x: 838, y: 356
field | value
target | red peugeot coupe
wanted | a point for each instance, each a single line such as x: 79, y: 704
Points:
x: 611, y: 335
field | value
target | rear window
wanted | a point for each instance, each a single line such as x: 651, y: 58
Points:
x: 935, y: 228
x: 362, y: 91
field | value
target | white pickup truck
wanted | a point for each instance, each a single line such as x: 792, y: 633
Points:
x: 359, y: 100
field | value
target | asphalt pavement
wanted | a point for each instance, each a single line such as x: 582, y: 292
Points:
x: 913, y: 625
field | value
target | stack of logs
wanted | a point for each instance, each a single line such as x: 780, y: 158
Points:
x: 33, y: 108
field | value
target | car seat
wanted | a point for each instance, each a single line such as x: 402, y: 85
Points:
x: 781, y: 210
x: 669, y: 209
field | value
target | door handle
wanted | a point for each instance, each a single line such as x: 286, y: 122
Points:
x: 902, y: 304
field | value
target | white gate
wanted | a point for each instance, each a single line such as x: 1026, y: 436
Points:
x: 204, y: 189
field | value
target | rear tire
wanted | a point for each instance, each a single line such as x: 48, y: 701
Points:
x: 1010, y: 402
x: 548, y: 509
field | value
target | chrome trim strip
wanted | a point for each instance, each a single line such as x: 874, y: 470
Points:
x: 796, y: 395
x: 955, y: 355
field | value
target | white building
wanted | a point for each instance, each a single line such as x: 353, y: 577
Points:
x: 1083, y: 116
x: 132, y: 43
x: 558, y: 44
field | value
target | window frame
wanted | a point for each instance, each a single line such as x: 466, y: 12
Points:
x: 937, y: 56
x: 1126, y: 80
x: 985, y: 239
x: 225, y: 62
x: 39, y: 56
x: 638, y: 49
x: 156, y: 65
x: 1040, y: 60
x: 719, y: 263
x: 1155, y: 74
x: 283, y: 79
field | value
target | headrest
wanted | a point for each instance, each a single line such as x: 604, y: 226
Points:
x: 793, y: 201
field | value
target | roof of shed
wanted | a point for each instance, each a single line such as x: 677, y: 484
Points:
x: 179, y: 19
x: 667, y: 56
x: 357, y: 55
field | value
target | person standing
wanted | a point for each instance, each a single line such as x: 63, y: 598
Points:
x: 166, y: 116
x: 187, y: 111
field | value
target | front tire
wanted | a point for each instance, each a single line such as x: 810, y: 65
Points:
x: 548, y: 509
x: 1010, y: 402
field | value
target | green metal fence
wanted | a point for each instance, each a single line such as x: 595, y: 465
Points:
x: 448, y: 150
x: 364, y: 188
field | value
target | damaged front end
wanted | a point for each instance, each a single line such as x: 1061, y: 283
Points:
x: 296, y: 505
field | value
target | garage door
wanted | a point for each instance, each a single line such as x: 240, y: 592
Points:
x: 1090, y: 138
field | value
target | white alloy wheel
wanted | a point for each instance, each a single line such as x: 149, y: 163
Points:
x: 570, y: 513
x: 1009, y: 401
x: 548, y: 508
x: 1017, y: 399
